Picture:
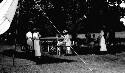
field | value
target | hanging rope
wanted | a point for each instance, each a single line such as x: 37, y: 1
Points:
x: 80, y: 58
x: 44, y: 14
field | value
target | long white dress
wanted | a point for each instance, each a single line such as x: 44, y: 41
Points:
x: 36, y: 44
x: 102, y: 44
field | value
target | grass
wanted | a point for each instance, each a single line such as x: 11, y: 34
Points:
x: 98, y: 63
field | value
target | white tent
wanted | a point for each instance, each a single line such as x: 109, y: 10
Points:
x: 7, y: 12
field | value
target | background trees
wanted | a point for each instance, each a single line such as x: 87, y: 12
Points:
x: 77, y: 16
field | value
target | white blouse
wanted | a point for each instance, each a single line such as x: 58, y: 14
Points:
x: 29, y: 35
x: 36, y: 35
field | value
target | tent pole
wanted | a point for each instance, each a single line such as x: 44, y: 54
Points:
x: 16, y: 28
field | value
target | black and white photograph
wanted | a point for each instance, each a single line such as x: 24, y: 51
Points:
x: 62, y: 36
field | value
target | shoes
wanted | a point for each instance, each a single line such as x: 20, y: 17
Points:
x: 38, y: 57
x: 67, y: 54
x: 93, y: 54
x: 38, y: 60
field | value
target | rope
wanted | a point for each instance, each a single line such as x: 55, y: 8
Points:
x: 80, y: 58
x: 60, y: 33
x: 44, y: 14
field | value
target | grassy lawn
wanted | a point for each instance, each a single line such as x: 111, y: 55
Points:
x: 98, y: 63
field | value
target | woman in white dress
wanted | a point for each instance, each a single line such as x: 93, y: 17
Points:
x: 36, y: 36
x: 102, y: 42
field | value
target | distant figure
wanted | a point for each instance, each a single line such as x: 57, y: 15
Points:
x: 67, y: 40
x: 36, y: 36
x: 102, y: 42
x: 88, y: 38
x: 29, y: 40
x: 59, y: 44
x: 111, y: 37
x: 93, y: 40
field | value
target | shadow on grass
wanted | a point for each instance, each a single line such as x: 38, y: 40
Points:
x: 111, y: 59
x: 44, y: 58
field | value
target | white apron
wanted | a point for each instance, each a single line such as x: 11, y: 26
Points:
x: 36, y: 44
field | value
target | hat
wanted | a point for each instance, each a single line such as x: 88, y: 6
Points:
x: 34, y: 29
x: 65, y: 31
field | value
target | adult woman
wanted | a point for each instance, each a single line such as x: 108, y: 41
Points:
x: 36, y: 36
x: 102, y: 42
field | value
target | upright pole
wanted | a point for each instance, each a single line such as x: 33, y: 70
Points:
x: 15, y: 47
x: 16, y: 28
